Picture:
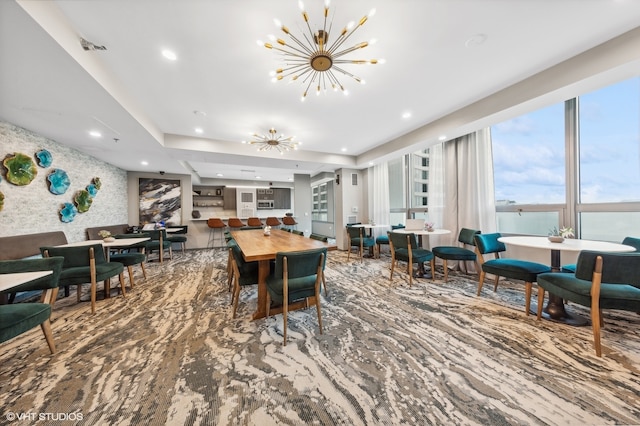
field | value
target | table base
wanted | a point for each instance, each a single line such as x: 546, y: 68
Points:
x: 555, y: 313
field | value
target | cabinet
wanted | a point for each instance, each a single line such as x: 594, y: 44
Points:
x: 229, y: 195
x: 281, y: 198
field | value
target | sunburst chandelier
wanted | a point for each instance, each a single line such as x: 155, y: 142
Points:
x: 273, y: 141
x: 315, y: 58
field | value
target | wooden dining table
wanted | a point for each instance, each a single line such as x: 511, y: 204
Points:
x: 256, y: 247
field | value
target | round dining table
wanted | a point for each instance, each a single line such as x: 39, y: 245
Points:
x: 555, y: 309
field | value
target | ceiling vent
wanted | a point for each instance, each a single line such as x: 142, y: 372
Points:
x: 87, y: 45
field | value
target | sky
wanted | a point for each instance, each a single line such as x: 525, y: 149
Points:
x: 528, y: 151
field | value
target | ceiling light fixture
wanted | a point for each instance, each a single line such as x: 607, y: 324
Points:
x: 273, y: 141
x: 314, y: 59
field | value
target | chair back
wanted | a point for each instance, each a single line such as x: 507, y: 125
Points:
x: 319, y: 237
x: 295, y: 231
x: 215, y: 222
x: 273, y: 221
x: 300, y: 263
x: 183, y: 229
x: 235, y: 222
x: 398, y: 226
x: 488, y: 243
x: 248, y: 271
x: 154, y: 235
x: 617, y: 268
x: 288, y: 220
x: 399, y: 240
x: 354, y: 232
x: 467, y: 235
x: 254, y: 221
x: 633, y: 242
x: 76, y: 256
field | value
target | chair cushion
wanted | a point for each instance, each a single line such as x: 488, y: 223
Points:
x: 612, y: 296
x: 366, y: 242
x: 417, y: 255
x: 571, y: 269
x: 177, y: 239
x: 18, y: 318
x: 128, y: 259
x: 82, y: 274
x: 382, y: 239
x: 453, y: 253
x: 515, y: 268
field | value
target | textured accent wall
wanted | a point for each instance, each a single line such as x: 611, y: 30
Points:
x: 32, y: 208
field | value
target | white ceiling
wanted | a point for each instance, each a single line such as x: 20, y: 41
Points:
x: 434, y: 68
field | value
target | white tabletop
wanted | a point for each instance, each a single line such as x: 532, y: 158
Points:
x: 11, y: 280
x: 436, y: 231
x: 369, y: 226
x: 569, y: 244
x: 118, y: 242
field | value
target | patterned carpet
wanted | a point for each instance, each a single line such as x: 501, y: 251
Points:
x: 433, y: 354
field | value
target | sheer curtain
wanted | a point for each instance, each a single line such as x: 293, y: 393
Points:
x: 379, y: 187
x: 462, y: 189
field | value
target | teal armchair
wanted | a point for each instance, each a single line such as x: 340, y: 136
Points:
x: 628, y: 241
x: 44, y: 284
x: 296, y: 278
x: 404, y: 247
x: 602, y: 281
x: 179, y: 237
x: 159, y: 242
x: 357, y: 238
x: 488, y: 244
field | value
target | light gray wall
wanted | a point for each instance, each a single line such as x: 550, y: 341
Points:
x: 33, y: 208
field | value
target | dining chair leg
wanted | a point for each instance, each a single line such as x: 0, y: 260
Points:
x: 495, y: 284
x: 527, y: 295
x: 480, y: 282
x: 446, y: 270
x: 540, y: 303
x: 121, y: 277
x: 144, y: 271
x: 93, y: 295
x: 130, y: 270
x: 48, y: 335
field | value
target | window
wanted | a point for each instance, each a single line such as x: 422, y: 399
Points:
x: 529, y: 158
x: 610, y: 144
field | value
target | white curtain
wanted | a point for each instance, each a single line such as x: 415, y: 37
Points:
x: 461, y: 185
x: 379, y: 208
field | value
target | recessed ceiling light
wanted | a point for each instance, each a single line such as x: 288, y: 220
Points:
x: 219, y: 174
x: 406, y: 114
x: 198, y: 130
x: 144, y: 163
x: 442, y: 138
x: 169, y: 54
x: 95, y: 133
x: 344, y: 150
x: 258, y: 177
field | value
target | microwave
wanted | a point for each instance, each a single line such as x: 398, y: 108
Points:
x: 265, y: 204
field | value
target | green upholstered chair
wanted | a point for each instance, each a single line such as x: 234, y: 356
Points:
x: 324, y: 239
x: 404, y: 247
x: 179, y: 237
x: 384, y: 239
x: 602, y: 281
x: 48, y: 285
x: 242, y: 274
x: 297, y: 277
x: 295, y: 231
x: 357, y: 238
x: 86, y: 264
x: 628, y: 241
x: 129, y: 260
x: 158, y: 242
x: 487, y: 244
x: 460, y: 253
x: 19, y: 318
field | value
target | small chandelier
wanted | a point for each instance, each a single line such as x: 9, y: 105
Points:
x: 314, y: 59
x: 273, y: 141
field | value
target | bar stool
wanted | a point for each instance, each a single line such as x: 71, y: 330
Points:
x: 214, y: 224
x: 254, y: 221
x: 235, y: 223
x: 289, y: 222
x: 273, y: 221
